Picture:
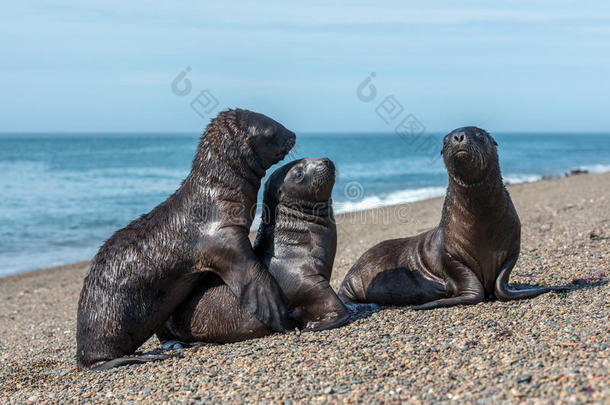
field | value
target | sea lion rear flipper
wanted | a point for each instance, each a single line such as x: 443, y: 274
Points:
x: 466, y: 299
x: 124, y: 361
x: 174, y: 345
x: 504, y: 293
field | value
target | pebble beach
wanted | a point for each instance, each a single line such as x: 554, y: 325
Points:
x: 552, y: 349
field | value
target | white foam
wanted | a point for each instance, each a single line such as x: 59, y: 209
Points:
x: 517, y: 178
x: 393, y: 198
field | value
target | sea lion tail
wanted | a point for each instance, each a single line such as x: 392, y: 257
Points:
x: 504, y: 293
x: 124, y: 361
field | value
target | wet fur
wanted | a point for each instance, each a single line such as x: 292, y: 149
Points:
x: 297, y: 241
x: 145, y: 270
x: 467, y: 258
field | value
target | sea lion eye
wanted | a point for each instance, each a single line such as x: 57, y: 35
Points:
x: 298, y: 175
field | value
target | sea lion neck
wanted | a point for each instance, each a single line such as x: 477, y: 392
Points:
x: 291, y: 210
x: 291, y: 218
x: 477, y: 199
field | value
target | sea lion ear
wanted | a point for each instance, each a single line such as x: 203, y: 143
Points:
x: 494, y: 141
x: 278, y: 195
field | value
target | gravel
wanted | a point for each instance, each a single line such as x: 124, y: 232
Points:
x: 551, y: 349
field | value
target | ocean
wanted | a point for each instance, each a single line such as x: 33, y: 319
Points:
x: 64, y: 194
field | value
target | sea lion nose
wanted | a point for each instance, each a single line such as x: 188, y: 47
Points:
x: 289, y: 138
x: 459, y: 138
x: 291, y: 135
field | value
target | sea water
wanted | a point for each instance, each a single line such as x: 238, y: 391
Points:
x: 62, y: 195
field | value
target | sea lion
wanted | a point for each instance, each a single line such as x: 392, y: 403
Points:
x: 464, y: 260
x: 296, y: 240
x: 145, y: 270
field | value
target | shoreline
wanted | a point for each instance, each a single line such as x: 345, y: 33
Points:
x: 379, y: 202
x: 509, y: 180
x: 364, y: 213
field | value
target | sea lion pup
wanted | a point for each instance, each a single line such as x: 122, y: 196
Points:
x: 145, y: 270
x: 296, y: 240
x: 467, y: 258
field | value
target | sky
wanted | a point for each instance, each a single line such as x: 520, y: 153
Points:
x: 71, y: 66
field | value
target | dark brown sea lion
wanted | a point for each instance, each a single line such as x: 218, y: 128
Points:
x: 145, y: 270
x: 468, y: 257
x: 296, y: 240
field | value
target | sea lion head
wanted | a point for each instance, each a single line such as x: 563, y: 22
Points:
x: 309, y: 180
x: 302, y: 184
x: 469, y: 154
x: 269, y: 140
x: 244, y: 139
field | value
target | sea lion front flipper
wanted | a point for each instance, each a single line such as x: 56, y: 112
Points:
x: 355, y: 307
x: 464, y: 286
x: 262, y: 297
x: 250, y: 281
x: 504, y: 293
x: 330, y: 321
x: 321, y: 309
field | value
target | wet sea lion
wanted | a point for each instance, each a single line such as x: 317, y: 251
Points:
x: 468, y: 257
x: 296, y: 240
x: 145, y: 270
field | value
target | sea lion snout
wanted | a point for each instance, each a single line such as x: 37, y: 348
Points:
x: 323, y: 179
x: 270, y: 140
x: 458, y: 137
x: 288, y: 139
x: 323, y: 172
x: 468, y: 153
x: 291, y: 139
x: 463, y: 138
x: 283, y: 141
x: 328, y: 163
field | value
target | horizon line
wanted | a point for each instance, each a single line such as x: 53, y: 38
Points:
x: 184, y: 132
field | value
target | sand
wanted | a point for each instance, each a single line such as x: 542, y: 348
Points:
x: 551, y: 349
